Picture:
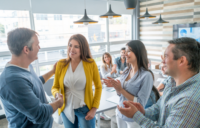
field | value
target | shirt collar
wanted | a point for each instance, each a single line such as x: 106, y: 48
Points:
x: 8, y: 65
x: 192, y: 80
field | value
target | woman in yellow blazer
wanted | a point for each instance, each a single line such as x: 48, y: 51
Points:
x: 73, y: 79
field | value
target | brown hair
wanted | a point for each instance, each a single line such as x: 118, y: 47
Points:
x: 84, y: 48
x: 104, y: 63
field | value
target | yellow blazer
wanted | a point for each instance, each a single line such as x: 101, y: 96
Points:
x: 92, y: 75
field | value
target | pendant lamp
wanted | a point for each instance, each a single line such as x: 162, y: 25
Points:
x: 130, y: 4
x: 110, y: 14
x: 85, y: 19
x: 160, y: 21
x: 147, y: 15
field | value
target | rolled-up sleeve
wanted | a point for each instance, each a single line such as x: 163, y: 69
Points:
x: 42, y: 79
x: 184, y: 115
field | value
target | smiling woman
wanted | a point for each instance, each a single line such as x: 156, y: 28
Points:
x: 135, y: 83
x: 74, y: 76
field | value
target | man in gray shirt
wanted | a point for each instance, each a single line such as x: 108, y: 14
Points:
x: 120, y: 62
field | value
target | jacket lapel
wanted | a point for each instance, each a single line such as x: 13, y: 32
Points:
x: 86, y: 70
x: 64, y: 70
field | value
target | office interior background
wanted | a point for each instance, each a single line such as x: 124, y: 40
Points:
x: 53, y: 20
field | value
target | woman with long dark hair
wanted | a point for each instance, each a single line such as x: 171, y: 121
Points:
x: 136, y: 82
x: 74, y: 77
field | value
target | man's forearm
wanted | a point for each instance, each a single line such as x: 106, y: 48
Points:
x: 144, y: 121
x: 48, y: 75
x: 55, y: 105
x: 160, y: 86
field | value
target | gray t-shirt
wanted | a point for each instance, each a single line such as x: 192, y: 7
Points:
x: 122, y: 67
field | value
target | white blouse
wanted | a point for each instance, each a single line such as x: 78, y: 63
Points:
x: 106, y: 73
x: 74, y: 90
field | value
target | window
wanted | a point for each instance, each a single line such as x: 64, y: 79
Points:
x: 45, y: 69
x: 98, y: 49
x: 55, y: 30
x: 57, y: 17
x: 58, y: 34
x: 3, y: 61
x: 120, y: 28
x: 54, y: 55
x: 117, y: 47
x: 115, y: 56
x: 98, y: 61
x: 41, y: 17
x: 10, y: 20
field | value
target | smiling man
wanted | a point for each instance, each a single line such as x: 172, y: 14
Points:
x: 120, y: 62
x: 21, y: 90
x: 179, y: 107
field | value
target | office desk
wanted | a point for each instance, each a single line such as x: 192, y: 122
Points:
x: 104, y: 104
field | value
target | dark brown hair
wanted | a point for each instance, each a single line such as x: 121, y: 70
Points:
x: 138, y: 48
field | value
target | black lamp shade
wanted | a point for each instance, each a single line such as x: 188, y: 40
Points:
x: 160, y: 21
x: 130, y: 4
x: 110, y: 13
x: 85, y: 19
x: 147, y: 15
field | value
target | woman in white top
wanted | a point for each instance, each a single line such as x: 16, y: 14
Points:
x: 107, y: 71
x: 74, y: 76
x: 107, y: 66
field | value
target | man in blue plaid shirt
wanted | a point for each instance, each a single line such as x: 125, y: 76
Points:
x: 179, y: 107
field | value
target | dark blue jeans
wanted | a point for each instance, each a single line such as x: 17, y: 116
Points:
x: 80, y: 120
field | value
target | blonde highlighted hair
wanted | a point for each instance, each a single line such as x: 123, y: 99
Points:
x: 104, y: 63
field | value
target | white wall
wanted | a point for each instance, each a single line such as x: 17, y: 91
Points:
x: 14, y: 5
x: 64, y: 6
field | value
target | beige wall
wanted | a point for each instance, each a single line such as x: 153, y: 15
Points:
x: 155, y: 37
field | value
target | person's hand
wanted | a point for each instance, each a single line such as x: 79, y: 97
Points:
x: 121, y: 72
x: 107, y: 82
x: 129, y: 110
x: 54, y: 68
x: 90, y: 115
x: 137, y: 105
x: 110, y: 82
x: 56, y: 96
x: 59, y: 97
x: 116, y: 84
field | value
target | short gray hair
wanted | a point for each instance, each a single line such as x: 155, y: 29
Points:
x: 18, y: 38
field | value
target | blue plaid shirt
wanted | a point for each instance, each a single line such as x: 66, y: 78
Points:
x: 179, y: 107
x: 166, y: 80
